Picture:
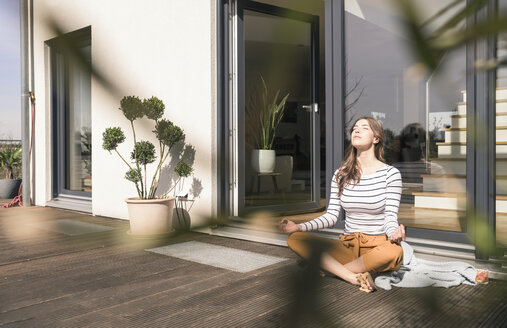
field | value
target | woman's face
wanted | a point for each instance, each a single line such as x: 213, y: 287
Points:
x: 362, y: 136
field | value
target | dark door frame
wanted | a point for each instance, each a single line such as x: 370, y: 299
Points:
x: 480, y: 99
x: 315, y: 164
x: 481, y: 141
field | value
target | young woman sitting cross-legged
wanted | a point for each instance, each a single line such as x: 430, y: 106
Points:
x: 369, y: 191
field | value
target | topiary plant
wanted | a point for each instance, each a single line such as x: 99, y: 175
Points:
x: 144, y: 152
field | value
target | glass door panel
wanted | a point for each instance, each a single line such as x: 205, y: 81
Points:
x: 501, y: 140
x: 279, y: 48
x: 78, y: 173
x: 423, y: 114
x: 71, y: 107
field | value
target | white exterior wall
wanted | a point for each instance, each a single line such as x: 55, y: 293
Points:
x: 163, y: 48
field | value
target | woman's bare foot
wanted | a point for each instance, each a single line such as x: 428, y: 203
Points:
x: 366, y: 282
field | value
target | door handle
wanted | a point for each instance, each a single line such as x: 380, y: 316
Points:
x: 313, y: 107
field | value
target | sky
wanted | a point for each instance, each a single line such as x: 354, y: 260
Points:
x: 10, y: 76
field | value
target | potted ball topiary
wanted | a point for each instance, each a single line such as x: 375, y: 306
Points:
x: 10, y: 162
x: 149, y: 213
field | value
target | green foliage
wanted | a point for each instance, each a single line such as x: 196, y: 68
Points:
x: 145, y: 152
x: 183, y: 169
x: 10, y: 158
x: 112, y: 137
x: 263, y: 116
x: 430, y: 41
x: 134, y: 175
x: 168, y: 133
x: 481, y: 232
x: 459, y: 24
x: 153, y: 108
x: 132, y: 107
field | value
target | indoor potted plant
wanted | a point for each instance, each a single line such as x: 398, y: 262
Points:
x: 263, y: 116
x: 10, y: 162
x: 149, y: 213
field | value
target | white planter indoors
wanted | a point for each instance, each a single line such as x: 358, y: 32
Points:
x: 263, y: 161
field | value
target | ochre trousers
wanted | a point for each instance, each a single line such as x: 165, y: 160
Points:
x: 378, y: 253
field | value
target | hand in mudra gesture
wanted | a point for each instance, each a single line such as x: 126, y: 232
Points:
x: 398, y: 235
x: 287, y: 226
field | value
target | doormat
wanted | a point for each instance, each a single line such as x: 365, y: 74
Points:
x: 218, y: 256
x: 69, y: 227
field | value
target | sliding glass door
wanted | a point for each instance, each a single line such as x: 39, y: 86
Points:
x: 501, y: 140
x: 277, y: 112
x: 423, y: 114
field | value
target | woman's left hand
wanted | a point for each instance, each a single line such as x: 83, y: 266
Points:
x: 398, y: 235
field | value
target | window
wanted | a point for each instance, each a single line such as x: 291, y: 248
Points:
x: 423, y: 113
x: 71, y: 113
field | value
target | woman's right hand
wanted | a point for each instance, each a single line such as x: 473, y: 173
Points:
x: 287, y: 226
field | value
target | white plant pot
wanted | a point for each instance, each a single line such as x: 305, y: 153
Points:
x: 150, y: 217
x: 263, y: 161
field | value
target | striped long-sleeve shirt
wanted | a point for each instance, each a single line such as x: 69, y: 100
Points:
x: 371, y: 206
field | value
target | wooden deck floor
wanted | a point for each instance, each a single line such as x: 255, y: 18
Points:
x: 107, y: 279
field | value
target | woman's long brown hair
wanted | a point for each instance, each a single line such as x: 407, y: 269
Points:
x: 350, y: 170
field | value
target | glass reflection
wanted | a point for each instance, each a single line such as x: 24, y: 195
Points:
x: 78, y: 141
x: 501, y: 138
x: 423, y: 113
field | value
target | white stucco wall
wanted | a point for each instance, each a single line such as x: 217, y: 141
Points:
x: 157, y: 47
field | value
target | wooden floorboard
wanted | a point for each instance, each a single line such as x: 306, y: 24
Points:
x: 220, y: 306
x: 107, y: 279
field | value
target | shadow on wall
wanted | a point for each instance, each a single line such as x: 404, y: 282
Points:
x: 168, y: 177
x: 185, y: 195
x: 196, y: 188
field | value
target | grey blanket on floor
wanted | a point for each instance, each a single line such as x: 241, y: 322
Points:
x: 416, y: 272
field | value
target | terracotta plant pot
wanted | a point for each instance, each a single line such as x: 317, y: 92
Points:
x: 150, y: 217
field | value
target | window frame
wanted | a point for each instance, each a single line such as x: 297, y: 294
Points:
x: 59, y: 68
